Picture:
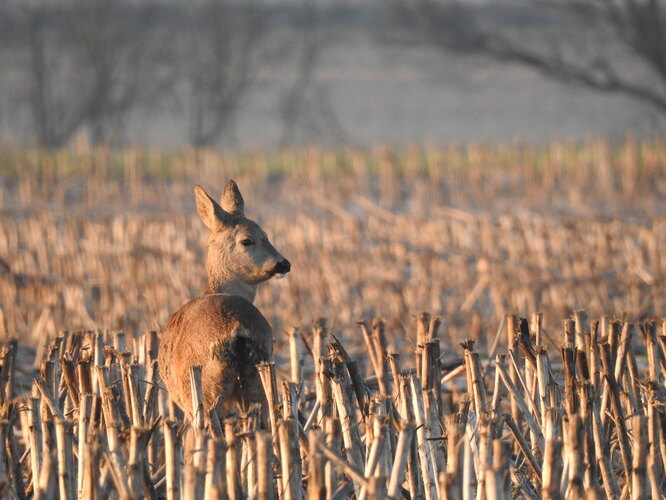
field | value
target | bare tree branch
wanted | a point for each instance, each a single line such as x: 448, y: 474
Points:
x: 638, y: 26
x: 306, y: 108
x: 86, y: 58
x: 223, y: 48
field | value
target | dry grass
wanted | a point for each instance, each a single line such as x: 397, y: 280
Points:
x: 525, y: 424
x: 105, y: 241
x: 99, y: 239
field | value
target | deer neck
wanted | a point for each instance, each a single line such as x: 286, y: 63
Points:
x: 232, y: 287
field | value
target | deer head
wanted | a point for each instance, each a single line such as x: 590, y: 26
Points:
x: 240, y: 256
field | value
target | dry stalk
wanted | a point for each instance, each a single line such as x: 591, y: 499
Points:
x: 425, y: 452
x: 316, y: 468
x: 290, y: 459
x: 85, y: 407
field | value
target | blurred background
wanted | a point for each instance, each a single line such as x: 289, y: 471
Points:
x: 472, y: 159
x: 273, y: 73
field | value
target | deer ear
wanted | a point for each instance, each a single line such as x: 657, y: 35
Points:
x: 210, y: 212
x: 232, y: 199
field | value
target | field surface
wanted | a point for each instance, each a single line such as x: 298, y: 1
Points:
x: 403, y: 365
x: 100, y: 239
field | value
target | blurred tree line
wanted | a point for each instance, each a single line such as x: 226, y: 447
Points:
x: 87, y: 65
x: 613, y: 46
x: 91, y: 65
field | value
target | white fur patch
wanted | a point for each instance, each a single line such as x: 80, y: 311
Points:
x: 241, y: 332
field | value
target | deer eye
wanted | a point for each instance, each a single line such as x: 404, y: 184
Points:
x: 247, y: 242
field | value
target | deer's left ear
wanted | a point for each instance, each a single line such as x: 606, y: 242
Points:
x: 210, y: 212
x: 232, y: 199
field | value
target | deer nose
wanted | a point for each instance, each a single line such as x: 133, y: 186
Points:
x: 282, y: 267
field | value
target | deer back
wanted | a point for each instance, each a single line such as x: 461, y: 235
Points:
x: 226, y: 335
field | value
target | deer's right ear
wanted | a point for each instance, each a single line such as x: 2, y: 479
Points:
x: 232, y: 200
x: 210, y: 212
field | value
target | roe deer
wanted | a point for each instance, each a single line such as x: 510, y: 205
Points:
x: 222, y: 331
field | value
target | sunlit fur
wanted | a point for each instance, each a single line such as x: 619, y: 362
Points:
x: 222, y: 330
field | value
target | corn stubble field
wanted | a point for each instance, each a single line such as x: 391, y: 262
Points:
x: 99, y: 247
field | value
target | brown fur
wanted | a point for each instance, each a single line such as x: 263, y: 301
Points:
x: 222, y: 331
x: 195, y: 335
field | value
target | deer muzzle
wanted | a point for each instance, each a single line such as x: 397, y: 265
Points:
x: 282, y: 268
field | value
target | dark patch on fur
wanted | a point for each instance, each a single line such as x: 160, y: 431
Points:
x: 239, y: 351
